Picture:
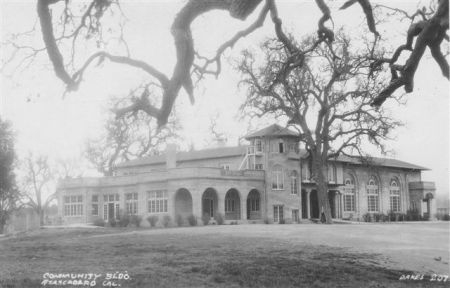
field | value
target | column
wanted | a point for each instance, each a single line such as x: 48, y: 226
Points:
x: 308, y: 203
x: 243, y: 207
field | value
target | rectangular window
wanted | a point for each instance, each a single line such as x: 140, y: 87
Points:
x: 94, y: 209
x: 225, y: 166
x: 349, y: 203
x: 258, y: 145
x: 395, y: 203
x: 295, y: 217
x: 294, y: 186
x: 372, y: 203
x: 281, y: 147
x: 277, y: 213
x: 73, y: 205
x: 157, y: 201
x: 131, y: 203
x: 258, y: 166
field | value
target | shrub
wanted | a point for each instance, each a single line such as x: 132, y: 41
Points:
x: 166, y: 221
x: 219, y: 219
x: 123, y: 221
x: 99, y: 222
x: 205, y: 219
x: 112, y: 222
x: 282, y: 221
x: 192, y: 220
x: 413, y: 215
x: 266, y: 221
x: 135, y: 220
x: 233, y: 223
x: 179, y: 220
x: 152, y: 220
x: 367, y: 217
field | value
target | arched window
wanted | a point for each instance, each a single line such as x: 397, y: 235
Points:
x: 349, y: 193
x: 294, y: 182
x: 394, y: 195
x: 277, y: 178
x: 331, y: 173
x: 372, y: 195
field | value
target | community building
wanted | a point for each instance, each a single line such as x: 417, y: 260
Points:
x: 267, y: 180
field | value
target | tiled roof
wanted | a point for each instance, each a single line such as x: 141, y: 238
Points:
x: 272, y: 130
x: 224, y: 152
x: 377, y: 161
x: 212, y: 153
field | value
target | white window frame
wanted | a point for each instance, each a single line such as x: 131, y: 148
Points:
x: 131, y: 203
x: 373, y: 196
x: 277, y: 178
x: 225, y: 166
x: 394, y: 196
x: 95, y: 206
x: 73, y: 205
x: 157, y: 201
x: 349, y: 195
x: 278, y: 213
x: 294, y: 182
x: 258, y: 146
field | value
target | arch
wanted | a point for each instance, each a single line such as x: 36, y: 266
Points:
x: 254, y: 205
x: 210, y: 202
x: 183, y: 202
x: 232, y: 205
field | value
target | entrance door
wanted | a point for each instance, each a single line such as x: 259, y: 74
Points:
x: 110, y: 210
x: 278, y: 213
x: 208, y: 206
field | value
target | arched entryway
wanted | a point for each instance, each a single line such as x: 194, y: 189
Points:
x: 253, y: 205
x: 428, y: 200
x: 232, y: 205
x: 314, y: 204
x: 304, y: 204
x: 209, y: 202
x: 183, y: 202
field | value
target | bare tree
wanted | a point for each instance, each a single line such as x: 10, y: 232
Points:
x: 37, y: 183
x: 327, y: 98
x: 128, y: 138
x: 66, y: 24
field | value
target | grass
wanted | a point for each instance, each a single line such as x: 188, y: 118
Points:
x: 191, y: 257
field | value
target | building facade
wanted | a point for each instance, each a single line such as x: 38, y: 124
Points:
x: 268, y: 180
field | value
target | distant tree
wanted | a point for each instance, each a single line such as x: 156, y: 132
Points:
x: 326, y: 95
x: 37, y: 183
x: 217, y: 137
x: 128, y: 138
x: 9, y: 195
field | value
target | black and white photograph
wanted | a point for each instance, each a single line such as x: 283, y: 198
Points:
x: 224, y: 143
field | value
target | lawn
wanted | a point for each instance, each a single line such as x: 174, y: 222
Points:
x: 306, y: 255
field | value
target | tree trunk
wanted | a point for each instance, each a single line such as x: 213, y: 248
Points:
x: 41, y: 217
x: 321, y: 173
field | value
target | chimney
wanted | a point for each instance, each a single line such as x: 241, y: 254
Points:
x: 171, y: 156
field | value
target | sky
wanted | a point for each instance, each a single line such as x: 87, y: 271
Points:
x: 49, y: 123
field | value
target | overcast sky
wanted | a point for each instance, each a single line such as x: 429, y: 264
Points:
x: 47, y: 123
